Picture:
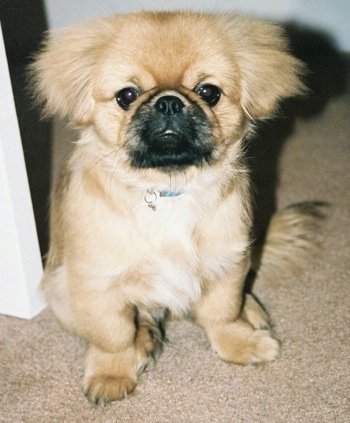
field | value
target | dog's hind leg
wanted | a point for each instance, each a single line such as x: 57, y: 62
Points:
x: 254, y: 313
x: 149, y: 338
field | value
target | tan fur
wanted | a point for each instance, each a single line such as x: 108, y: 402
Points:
x: 292, y: 238
x: 113, y: 261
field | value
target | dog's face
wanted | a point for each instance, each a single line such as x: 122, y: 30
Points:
x: 167, y: 91
x: 167, y: 105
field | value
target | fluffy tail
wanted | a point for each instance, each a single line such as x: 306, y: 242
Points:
x: 292, y: 238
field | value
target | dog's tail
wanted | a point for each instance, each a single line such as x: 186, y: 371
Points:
x: 292, y: 238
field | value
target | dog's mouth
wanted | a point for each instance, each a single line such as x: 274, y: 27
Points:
x: 170, y: 136
x: 168, y: 140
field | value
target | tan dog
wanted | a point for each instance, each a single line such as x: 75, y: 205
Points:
x: 152, y: 213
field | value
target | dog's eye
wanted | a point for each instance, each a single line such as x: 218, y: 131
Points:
x: 209, y: 93
x: 126, y: 96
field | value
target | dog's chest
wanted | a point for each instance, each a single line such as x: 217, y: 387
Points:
x: 169, y: 231
x: 172, y: 256
x: 170, y: 264
x: 164, y: 219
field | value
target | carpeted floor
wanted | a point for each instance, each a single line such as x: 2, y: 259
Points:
x: 307, y: 159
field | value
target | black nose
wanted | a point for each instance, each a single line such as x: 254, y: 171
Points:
x: 169, y: 105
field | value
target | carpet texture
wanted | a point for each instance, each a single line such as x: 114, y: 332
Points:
x: 305, y: 159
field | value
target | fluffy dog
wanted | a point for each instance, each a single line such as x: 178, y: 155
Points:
x: 152, y: 213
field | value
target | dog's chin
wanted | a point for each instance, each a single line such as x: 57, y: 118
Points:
x: 170, y: 153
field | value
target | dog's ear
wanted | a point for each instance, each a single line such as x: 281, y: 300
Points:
x: 269, y: 72
x: 62, y: 73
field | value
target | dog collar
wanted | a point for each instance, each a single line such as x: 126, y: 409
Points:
x: 152, y: 196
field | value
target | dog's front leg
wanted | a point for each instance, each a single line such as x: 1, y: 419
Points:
x: 122, y: 341
x: 109, y: 376
x: 111, y: 358
x: 235, y: 323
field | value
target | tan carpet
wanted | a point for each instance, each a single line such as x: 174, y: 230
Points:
x: 41, y: 365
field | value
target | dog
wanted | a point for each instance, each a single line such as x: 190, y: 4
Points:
x: 152, y: 215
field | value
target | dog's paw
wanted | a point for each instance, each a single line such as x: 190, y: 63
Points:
x: 109, y: 376
x: 263, y: 347
x: 148, y: 345
x: 240, y: 343
x: 254, y: 313
x: 104, y: 389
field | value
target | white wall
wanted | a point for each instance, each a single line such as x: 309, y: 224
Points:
x: 332, y: 16
x: 20, y: 260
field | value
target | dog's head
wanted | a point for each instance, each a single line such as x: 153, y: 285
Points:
x: 167, y: 91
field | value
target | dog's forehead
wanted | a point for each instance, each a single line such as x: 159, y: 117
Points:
x: 169, y: 53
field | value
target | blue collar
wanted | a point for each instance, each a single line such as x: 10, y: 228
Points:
x: 152, y: 196
x: 169, y: 193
